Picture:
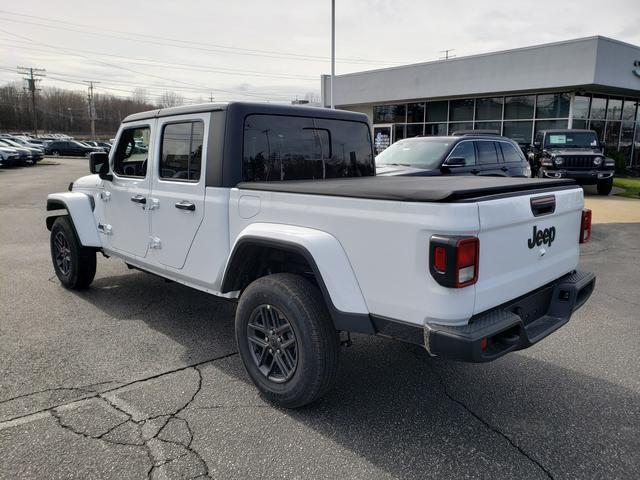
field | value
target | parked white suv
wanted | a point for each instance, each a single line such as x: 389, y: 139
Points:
x: 279, y: 207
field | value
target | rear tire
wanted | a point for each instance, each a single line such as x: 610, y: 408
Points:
x: 287, y: 310
x: 55, y: 153
x: 75, y: 265
x: 605, y: 186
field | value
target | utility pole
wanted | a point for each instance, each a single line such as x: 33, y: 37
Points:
x: 333, y: 48
x: 211, y: 97
x: 446, y: 54
x: 32, y: 76
x: 92, y: 108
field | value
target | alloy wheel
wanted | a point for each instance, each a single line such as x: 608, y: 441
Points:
x: 62, y: 253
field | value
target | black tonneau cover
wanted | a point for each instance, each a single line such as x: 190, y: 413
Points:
x: 410, y: 189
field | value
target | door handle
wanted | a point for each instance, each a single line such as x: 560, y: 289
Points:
x: 185, y: 205
x: 504, y: 169
x: 475, y: 172
x: 139, y: 199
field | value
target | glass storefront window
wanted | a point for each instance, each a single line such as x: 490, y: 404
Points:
x: 580, y: 124
x: 520, y: 132
x: 456, y: 127
x: 598, y: 108
x: 495, y: 126
x: 415, y: 112
x: 437, y: 111
x: 614, y: 110
x: 553, y: 105
x: 389, y: 113
x: 629, y: 110
x: 435, y: 129
x: 398, y: 132
x: 489, y: 108
x: 612, y: 135
x: 635, y: 161
x: 461, y: 110
x: 581, y: 107
x: 598, y: 127
x: 626, y: 139
x: 519, y: 107
x: 551, y: 124
x: 415, y: 129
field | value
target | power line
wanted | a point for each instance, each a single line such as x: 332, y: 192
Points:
x: 179, y: 43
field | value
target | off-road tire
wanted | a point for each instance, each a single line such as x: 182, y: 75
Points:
x: 301, y: 304
x: 605, y: 186
x: 79, y: 267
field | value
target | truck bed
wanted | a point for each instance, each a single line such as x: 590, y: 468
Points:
x: 411, y: 189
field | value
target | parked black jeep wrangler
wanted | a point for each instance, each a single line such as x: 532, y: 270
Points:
x: 573, y: 154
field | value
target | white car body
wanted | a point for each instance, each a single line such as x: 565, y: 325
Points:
x: 372, y: 254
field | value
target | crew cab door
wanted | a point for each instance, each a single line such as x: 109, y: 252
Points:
x: 178, y: 188
x: 125, y: 198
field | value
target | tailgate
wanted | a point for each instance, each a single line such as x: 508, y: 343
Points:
x: 520, y: 251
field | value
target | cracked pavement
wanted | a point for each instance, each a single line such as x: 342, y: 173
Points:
x: 139, y: 378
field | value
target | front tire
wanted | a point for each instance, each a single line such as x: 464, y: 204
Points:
x: 55, y: 153
x: 605, y: 186
x: 75, y: 265
x: 286, y: 339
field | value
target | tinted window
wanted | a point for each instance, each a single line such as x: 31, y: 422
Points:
x: 130, y: 159
x: 519, y: 107
x: 489, y: 108
x: 297, y: 148
x: 465, y: 150
x: 553, y: 105
x: 389, y: 113
x: 181, y: 155
x: 437, y: 111
x: 415, y: 112
x: 486, y: 153
x: 510, y: 153
x: 460, y: 110
x: 581, y: 107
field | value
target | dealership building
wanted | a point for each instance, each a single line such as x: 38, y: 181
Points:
x: 584, y: 83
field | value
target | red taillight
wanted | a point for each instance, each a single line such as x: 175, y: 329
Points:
x: 440, y: 259
x: 466, y: 262
x: 454, y: 260
x: 585, y: 226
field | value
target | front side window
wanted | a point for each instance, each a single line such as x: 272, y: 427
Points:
x: 278, y: 147
x: 130, y: 158
x: 181, y: 155
x: 467, y: 151
x: 487, y: 153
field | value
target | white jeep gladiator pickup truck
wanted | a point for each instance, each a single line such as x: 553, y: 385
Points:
x: 279, y: 207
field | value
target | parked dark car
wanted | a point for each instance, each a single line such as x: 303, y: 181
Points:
x: 25, y: 158
x: 69, y: 147
x: 106, y: 146
x: 576, y: 154
x: 37, y: 152
x: 475, y: 154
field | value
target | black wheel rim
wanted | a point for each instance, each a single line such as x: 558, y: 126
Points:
x: 62, y: 253
x: 273, y: 343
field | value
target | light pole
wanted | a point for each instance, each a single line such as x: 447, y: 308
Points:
x: 333, y: 48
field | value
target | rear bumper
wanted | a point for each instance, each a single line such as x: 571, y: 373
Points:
x: 581, y: 176
x: 513, y: 326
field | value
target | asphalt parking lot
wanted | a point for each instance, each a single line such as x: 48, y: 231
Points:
x: 138, y: 378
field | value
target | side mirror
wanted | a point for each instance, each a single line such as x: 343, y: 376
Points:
x: 455, y: 162
x: 99, y: 163
x: 537, y: 145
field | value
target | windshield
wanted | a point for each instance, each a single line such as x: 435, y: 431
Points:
x: 11, y: 143
x: 425, y: 153
x: 572, y: 140
x: 80, y: 143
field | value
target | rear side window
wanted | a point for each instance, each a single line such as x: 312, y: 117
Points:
x: 510, y: 153
x: 487, y: 153
x: 278, y: 147
x: 181, y: 155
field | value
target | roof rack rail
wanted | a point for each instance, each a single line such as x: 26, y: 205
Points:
x: 476, y: 132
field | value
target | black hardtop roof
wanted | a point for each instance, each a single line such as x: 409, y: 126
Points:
x: 246, y: 108
x: 411, y: 189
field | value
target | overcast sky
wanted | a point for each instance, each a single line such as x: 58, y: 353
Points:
x: 276, y: 49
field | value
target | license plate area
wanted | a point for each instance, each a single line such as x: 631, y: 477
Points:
x: 533, y: 306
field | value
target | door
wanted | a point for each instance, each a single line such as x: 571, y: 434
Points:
x: 490, y: 159
x: 126, y: 196
x: 381, y: 137
x: 178, y: 188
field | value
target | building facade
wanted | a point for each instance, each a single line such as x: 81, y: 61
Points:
x: 585, y: 83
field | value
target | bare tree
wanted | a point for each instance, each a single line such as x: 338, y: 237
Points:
x: 170, y: 99
x: 140, y: 95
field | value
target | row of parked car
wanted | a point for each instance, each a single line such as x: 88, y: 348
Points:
x: 22, y: 149
x: 576, y: 154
